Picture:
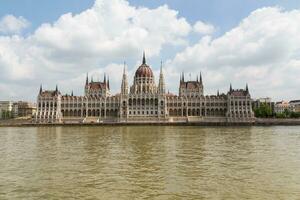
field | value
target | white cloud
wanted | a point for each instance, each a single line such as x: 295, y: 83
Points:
x: 263, y: 50
x: 110, y: 31
x: 204, y: 28
x: 10, y: 24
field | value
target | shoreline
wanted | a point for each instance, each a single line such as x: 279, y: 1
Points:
x: 257, y: 122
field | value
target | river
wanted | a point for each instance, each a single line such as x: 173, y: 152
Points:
x: 150, y: 162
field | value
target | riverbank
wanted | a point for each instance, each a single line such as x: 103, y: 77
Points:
x: 256, y: 122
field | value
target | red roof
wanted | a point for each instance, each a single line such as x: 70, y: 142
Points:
x: 144, y: 71
x: 97, y: 85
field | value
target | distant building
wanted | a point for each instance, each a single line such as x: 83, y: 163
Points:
x: 25, y: 109
x: 10, y: 109
x: 295, y: 105
x: 144, y: 101
x: 266, y: 100
x: 281, y: 106
x: 6, y: 108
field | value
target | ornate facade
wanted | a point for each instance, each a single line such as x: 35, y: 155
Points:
x: 144, y: 101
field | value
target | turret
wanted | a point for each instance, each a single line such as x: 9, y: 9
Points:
x: 124, y: 86
x: 161, y: 83
x: 41, y: 89
x: 87, y: 79
x: 201, y: 78
x: 108, y: 82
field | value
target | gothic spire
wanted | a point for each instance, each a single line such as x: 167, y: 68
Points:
x: 108, y: 82
x: 124, y: 85
x: 247, y: 90
x: 56, y: 89
x: 41, y: 89
x: 161, y: 63
x: 144, y: 58
x: 104, y: 79
x: 72, y: 93
x: 200, y: 77
x: 124, y: 67
x: 161, y: 83
x: 197, y: 79
x: 87, y: 79
x: 218, y: 93
x: 230, y: 89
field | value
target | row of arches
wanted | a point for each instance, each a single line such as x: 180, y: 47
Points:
x: 241, y: 113
x: 197, y: 112
x: 91, y: 113
x: 144, y: 102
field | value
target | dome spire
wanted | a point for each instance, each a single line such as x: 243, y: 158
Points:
x: 144, y: 58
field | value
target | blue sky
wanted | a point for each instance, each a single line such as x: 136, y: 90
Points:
x: 65, y: 49
x: 223, y: 13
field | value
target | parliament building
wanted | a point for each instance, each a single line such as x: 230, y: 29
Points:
x: 144, y: 101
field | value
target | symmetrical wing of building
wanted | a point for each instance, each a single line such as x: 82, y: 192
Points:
x: 144, y: 101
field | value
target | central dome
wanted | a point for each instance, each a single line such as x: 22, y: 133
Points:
x: 144, y: 70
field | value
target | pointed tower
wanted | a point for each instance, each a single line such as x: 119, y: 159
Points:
x: 56, y: 89
x: 180, y: 77
x: 247, y: 90
x: 72, y: 93
x: 201, y: 79
x: 87, y: 79
x: 41, y: 89
x: 104, y: 78
x: 108, y: 82
x: 230, y: 88
x: 124, y: 86
x: 161, y: 83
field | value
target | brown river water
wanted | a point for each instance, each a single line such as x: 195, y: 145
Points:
x: 150, y: 162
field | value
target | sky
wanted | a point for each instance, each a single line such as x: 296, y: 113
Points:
x: 228, y: 41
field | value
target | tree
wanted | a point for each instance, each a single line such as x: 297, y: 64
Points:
x: 264, y: 110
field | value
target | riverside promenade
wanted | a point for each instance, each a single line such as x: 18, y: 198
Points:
x: 256, y: 122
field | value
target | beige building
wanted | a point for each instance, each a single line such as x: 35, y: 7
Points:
x: 25, y: 109
x: 295, y: 105
x: 144, y: 101
x: 281, y: 106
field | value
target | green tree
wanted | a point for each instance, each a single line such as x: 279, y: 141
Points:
x: 263, y: 111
